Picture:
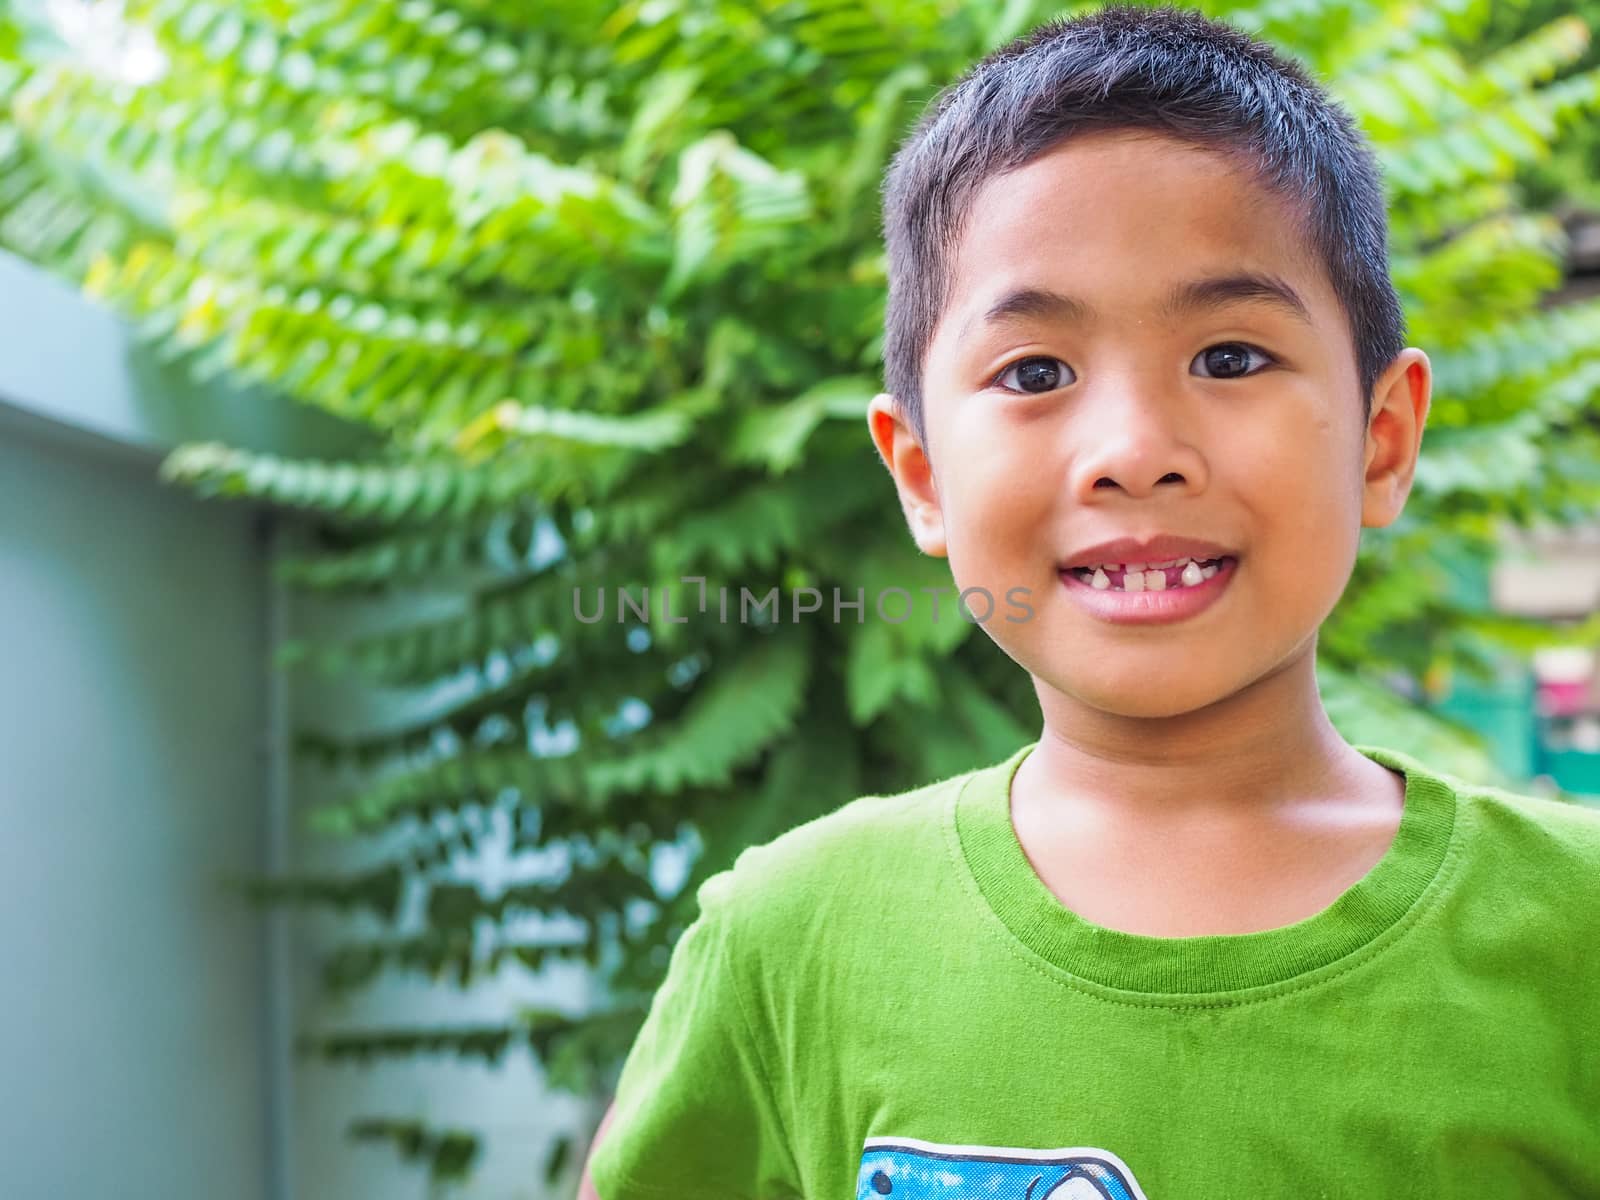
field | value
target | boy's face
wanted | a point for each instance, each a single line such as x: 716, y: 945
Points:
x: 1233, y: 420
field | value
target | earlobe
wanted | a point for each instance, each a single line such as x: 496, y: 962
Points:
x: 1400, y: 401
x: 908, y: 466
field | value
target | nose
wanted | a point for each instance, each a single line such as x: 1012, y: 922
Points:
x: 1134, y: 437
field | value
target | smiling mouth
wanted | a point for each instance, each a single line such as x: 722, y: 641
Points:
x: 1172, y: 575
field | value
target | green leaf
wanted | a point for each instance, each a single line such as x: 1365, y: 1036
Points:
x: 775, y: 437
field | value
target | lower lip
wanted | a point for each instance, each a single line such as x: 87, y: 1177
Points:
x: 1150, y: 608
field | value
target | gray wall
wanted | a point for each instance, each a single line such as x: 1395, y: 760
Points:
x: 146, y: 1014
x: 143, y: 1029
x: 132, y: 995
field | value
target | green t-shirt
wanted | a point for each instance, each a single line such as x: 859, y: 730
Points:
x: 888, y: 1001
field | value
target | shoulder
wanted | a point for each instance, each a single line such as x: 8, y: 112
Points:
x: 1526, y: 896
x: 1541, y: 825
x: 1529, y: 842
x: 863, y: 848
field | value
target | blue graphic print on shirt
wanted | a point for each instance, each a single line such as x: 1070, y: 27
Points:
x: 909, y: 1169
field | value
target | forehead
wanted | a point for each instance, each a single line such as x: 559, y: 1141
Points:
x: 1125, y: 221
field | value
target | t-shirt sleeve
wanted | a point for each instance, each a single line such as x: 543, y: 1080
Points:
x: 695, y: 1115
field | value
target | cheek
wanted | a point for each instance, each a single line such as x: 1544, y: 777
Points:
x: 1309, y: 515
x: 1311, y: 469
x: 999, y: 524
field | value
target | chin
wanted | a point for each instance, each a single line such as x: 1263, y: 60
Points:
x: 1145, y: 710
x: 1142, y: 700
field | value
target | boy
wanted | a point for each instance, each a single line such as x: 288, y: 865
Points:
x: 1144, y: 358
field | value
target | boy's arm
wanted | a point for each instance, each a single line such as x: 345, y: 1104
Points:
x: 586, y: 1184
x: 694, y: 1115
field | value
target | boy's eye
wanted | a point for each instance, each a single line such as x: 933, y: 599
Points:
x: 1231, y: 360
x: 1035, y: 374
x: 1039, y: 373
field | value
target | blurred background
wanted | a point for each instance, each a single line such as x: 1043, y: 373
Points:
x: 341, y: 342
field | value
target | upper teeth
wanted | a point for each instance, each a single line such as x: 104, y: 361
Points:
x: 1140, y: 577
x: 1139, y: 566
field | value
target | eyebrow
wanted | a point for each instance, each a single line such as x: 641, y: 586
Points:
x: 1032, y: 303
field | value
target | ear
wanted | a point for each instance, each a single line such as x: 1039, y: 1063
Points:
x: 1400, y: 400
x: 913, y: 475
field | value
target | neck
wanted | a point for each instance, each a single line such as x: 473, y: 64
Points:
x: 1248, y: 756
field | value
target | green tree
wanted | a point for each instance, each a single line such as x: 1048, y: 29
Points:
x: 613, y: 293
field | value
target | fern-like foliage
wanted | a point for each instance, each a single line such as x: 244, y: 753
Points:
x: 614, y: 292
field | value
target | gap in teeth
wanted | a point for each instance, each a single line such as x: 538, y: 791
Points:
x: 1151, y: 577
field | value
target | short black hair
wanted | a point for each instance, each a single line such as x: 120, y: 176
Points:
x: 1163, y: 69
